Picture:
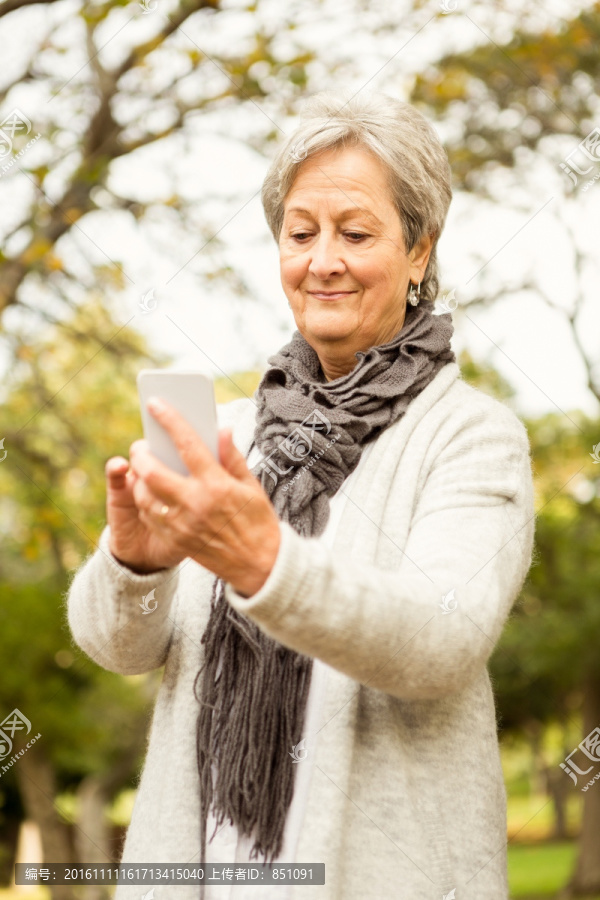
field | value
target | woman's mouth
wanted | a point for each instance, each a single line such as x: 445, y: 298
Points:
x: 330, y: 295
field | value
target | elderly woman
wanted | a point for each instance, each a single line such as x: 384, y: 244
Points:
x: 328, y: 594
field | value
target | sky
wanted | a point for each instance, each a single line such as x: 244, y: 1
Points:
x: 488, y: 249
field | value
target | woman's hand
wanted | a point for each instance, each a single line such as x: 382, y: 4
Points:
x: 130, y: 539
x: 219, y: 515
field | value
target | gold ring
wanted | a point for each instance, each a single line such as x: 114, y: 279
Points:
x: 164, y: 510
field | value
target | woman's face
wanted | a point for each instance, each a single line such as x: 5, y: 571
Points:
x: 344, y: 266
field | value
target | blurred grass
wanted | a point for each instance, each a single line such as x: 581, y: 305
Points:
x: 538, y: 871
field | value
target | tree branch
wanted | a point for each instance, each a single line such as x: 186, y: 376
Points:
x: 138, y: 54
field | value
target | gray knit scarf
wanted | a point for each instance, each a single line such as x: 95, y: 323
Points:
x: 254, y: 690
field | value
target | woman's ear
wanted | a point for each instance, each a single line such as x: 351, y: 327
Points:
x: 419, y: 257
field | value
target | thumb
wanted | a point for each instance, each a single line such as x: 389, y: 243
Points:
x: 231, y: 458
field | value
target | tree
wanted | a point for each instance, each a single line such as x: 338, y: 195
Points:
x: 515, y: 107
x: 154, y: 93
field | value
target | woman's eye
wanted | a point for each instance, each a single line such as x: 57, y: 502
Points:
x: 356, y: 236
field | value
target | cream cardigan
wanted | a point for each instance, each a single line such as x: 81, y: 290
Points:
x: 407, y: 797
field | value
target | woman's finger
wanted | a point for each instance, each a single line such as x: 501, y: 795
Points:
x: 164, y: 483
x: 141, y: 444
x: 148, y: 503
x: 116, y: 470
x: 144, y: 498
x: 231, y: 459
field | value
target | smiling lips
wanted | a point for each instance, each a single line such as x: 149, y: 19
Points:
x: 329, y: 295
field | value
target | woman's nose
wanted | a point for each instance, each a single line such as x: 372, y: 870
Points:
x: 326, y: 257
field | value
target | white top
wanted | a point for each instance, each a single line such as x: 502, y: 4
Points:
x: 228, y: 845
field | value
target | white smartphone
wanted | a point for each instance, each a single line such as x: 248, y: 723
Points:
x: 192, y: 394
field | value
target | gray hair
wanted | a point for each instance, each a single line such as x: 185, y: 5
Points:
x: 399, y: 135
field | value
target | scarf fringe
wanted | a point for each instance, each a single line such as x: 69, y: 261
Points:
x: 247, y: 726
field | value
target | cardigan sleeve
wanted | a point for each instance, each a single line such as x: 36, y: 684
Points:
x: 121, y: 619
x: 426, y: 627
x: 106, y: 611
